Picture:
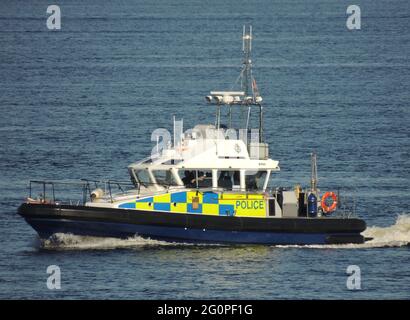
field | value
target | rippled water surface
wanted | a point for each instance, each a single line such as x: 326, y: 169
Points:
x: 83, y: 101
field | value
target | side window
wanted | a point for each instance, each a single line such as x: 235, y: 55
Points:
x: 194, y: 178
x: 205, y: 179
x: 229, y: 180
x: 255, y: 181
x: 164, y: 177
x: 143, y: 177
x: 187, y: 177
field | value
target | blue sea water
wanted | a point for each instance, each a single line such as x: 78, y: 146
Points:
x: 83, y: 101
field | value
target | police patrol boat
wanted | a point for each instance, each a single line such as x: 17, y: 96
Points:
x: 211, y: 185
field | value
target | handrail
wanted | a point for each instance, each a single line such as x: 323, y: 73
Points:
x: 84, y: 183
x: 52, y: 183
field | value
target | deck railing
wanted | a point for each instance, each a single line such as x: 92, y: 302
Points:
x: 75, y: 192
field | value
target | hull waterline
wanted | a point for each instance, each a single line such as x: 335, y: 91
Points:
x: 48, y: 219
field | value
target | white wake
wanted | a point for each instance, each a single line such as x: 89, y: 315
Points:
x: 396, y: 235
x: 70, y: 241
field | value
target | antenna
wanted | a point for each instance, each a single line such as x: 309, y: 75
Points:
x: 247, y: 39
x: 250, y: 42
x: 173, y: 118
x: 313, y: 178
x: 243, y: 39
x: 247, y: 63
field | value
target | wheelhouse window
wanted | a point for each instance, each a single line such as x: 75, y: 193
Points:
x: 255, y: 181
x: 164, y: 177
x: 196, y: 178
x: 229, y: 180
x: 143, y: 177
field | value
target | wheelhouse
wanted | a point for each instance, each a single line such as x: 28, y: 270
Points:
x: 226, y: 179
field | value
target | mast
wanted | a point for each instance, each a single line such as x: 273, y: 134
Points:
x: 246, y: 84
x: 248, y: 96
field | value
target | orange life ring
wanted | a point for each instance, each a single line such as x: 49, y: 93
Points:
x: 332, y: 207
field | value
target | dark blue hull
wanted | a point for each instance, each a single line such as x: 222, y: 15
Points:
x: 120, y: 223
x: 45, y: 228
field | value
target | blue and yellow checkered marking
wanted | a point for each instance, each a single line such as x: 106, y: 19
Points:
x: 208, y: 203
x: 149, y: 199
x: 191, y: 209
x: 179, y: 197
x: 211, y: 198
x: 226, y: 210
x: 162, y: 206
x: 128, y: 205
